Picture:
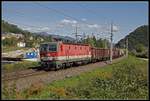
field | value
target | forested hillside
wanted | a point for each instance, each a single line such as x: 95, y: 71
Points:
x: 11, y: 28
x: 137, y: 40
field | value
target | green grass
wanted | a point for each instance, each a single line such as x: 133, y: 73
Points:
x: 126, y: 79
x: 21, y: 65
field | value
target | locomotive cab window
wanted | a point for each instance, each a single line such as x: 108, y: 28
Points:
x: 43, y: 47
x: 52, y: 47
x: 48, y: 47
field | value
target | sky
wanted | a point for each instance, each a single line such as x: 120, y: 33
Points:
x: 62, y: 17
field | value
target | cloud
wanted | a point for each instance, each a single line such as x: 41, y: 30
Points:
x: 74, y: 22
x: 93, y: 26
x: 66, y: 21
x: 45, y: 29
x: 33, y: 29
x: 83, y: 19
x: 73, y: 25
x: 107, y: 29
x: 27, y: 28
x: 115, y: 28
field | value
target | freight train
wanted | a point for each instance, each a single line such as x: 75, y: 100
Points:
x: 58, y: 55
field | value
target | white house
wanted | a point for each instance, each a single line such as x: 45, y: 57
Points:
x: 31, y: 38
x: 3, y: 37
x: 42, y: 39
x: 21, y: 44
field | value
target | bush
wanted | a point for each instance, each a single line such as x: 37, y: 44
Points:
x: 127, y: 82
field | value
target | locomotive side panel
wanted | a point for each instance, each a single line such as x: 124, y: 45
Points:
x: 72, y: 52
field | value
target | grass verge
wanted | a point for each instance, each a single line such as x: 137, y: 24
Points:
x: 126, y: 79
x: 21, y: 65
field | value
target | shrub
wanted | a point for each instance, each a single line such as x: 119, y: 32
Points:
x: 34, y: 90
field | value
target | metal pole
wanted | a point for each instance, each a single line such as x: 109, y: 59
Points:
x: 127, y: 47
x: 76, y: 33
x: 105, y: 43
x: 84, y: 37
x: 111, y: 38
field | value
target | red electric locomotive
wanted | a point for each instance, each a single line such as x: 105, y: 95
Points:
x: 58, y: 54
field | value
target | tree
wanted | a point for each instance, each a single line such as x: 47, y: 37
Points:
x: 95, y: 41
x: 140, y: 48
x: 90, y: 41
x: 100, y: 43
x: 9, y: 41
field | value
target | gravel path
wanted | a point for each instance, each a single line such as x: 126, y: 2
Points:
x: 50, y: 76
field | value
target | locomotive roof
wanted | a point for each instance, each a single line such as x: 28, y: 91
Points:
x: 67, y: 43
x: 76, y: 43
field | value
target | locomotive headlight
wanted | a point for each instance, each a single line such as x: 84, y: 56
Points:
x: 49, y: 58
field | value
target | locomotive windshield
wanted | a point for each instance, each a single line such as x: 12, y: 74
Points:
x: 43, y: 47
x: 48, y: 47
x: 52, y: 47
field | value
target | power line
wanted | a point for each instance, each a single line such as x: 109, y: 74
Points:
x: 21, y: 13
x: 57, y: 11
x: 89, y: 10
x: 64, y: 14
x: 24, y: 24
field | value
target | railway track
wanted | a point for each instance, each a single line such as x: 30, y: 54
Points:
x: 27, y: 73
x: 21, y: 74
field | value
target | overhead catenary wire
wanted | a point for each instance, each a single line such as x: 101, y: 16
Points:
x: 26, y: 25
x: 89, y: 10
x: 22, y: 14
x: 66, y: 15
x: 23, y: 24
x: 62, y: 13
x: 54, y: 10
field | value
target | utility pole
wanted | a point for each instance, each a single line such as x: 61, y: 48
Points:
x: 105, y: 43
x: 84, y: 37
x: 127, y: 47
x: 111, y: 46
x: 76, y: 33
